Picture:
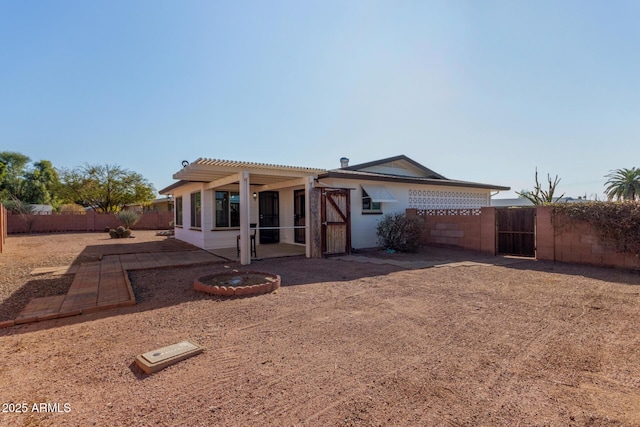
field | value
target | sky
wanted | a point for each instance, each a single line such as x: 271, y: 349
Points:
x: 483, y: 91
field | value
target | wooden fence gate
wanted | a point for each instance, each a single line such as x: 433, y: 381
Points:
x: 516, y: 231
x: 336, y: 221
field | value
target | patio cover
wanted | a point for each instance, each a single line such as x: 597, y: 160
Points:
x: 217, y: 173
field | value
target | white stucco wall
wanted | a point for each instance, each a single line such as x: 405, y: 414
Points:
x: 363, y: 226
x: 185, y: 232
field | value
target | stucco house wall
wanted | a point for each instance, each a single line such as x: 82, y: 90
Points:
x: 408, y: 195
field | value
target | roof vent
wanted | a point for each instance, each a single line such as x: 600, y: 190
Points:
x: 344, y: 162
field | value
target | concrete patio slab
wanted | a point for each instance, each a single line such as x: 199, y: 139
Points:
x: 104, y: 284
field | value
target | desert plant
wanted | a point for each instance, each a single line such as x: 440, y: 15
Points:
x: 128, y: 218
x: 120, y: 233
x: 72, y: 208
x: 540, y: 196
x: 400, y: 232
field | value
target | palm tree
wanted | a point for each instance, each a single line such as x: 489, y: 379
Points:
x: 623, y: 184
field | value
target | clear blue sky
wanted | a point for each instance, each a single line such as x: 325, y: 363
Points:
x: 476, y: 90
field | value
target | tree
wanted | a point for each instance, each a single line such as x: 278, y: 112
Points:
x: 3, y: 173
x: 14, y: 167
x: 540, y: 196
x: 41, y: 184
x: 623, y: 184
x: 107, y: 188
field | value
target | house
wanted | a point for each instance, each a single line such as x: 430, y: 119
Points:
x: 162, y: 204
x: 321, y: 211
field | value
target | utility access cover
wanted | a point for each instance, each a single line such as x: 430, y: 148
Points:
x: 158, y: 359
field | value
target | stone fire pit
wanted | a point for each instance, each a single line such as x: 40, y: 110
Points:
x: 237, y: 283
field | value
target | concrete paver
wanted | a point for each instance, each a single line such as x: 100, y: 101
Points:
x: 104, y: 284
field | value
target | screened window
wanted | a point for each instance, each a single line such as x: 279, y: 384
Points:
x: 227, y: 209
x: 196, y: 210
x: 179, y: 211
x: 367, y: 204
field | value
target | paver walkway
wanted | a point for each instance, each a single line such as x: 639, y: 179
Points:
x: 104, y: 284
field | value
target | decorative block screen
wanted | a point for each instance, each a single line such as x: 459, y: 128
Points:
x: 438, y: 200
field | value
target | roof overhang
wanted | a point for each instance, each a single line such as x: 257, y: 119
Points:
x: 227, y: 171
x: 368, y: 176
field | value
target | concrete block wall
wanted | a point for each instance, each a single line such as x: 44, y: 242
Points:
x: 576, y: 242
x: 461, y: 230
x: 557, y: 237
x: 91, y: 221
x: 3, y: 227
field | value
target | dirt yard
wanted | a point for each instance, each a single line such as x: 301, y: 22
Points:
x: 340, y: 343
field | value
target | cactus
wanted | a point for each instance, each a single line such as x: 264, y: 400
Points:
x: 120, y: 233
x: 128, y: 218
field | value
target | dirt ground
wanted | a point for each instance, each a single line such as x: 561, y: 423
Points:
x: 340, y: 343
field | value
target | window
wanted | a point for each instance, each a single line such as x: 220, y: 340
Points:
x: 196, y: 208
x: 179, y: 211
x: 227, y: 209
x: 369, y: 206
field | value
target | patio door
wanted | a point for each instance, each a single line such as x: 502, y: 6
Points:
x: 298, y: 216
x: 269, y: 214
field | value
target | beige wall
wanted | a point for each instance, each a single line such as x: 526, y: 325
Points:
x: 363, y: 225
x: 461, y: 230
x: 560, y: 239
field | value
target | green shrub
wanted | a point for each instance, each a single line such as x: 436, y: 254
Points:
x: 128, y: 218
x: 400, y: 232
x: 616, y: 223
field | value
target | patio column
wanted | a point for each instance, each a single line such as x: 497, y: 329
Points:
x: 307, y: 222
x: 245, y: 195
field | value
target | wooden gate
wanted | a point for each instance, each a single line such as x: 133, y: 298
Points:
x: 516, y: 231
x: 336, y: 221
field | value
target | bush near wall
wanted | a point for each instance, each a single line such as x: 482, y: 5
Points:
x: 616, y: 224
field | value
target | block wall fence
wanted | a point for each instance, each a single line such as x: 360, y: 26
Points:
x: 3, y: 227
x: 90, y: 221
x: 557, y: 237
x: 472, y: 229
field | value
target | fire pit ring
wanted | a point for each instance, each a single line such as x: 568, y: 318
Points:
x: 237, y: 283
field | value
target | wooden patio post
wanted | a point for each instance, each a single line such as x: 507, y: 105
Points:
x: 307, y: 223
